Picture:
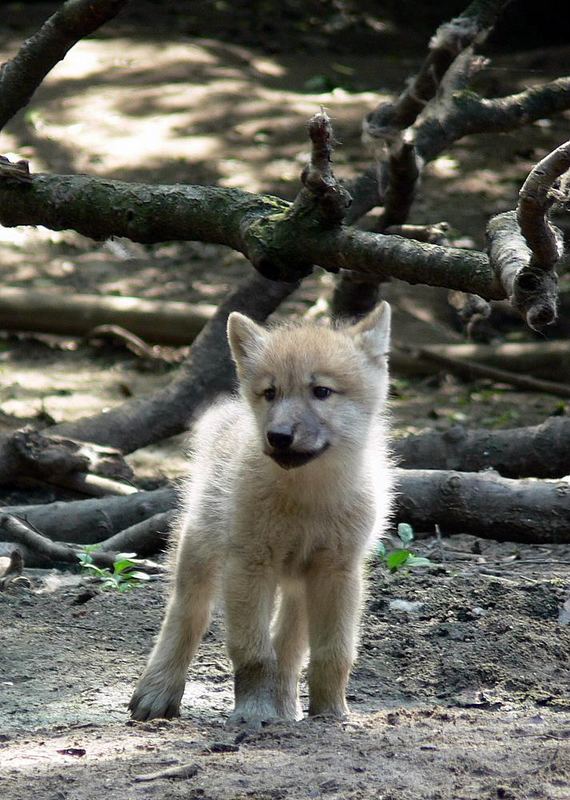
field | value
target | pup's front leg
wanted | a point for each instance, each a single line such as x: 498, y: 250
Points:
x: 334, y: 598
x: 249, y: 594
x: 160, y: 689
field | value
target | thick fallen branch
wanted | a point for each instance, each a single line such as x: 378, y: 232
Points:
x: 145, y: 538
x: 540, y: 451
x: 59, y: 460
x: 482, y: 503
x: 92, y: 521
x: 485, y: 504
x: 76, y: 315
x: 39, y: 551
x: 21, y: 76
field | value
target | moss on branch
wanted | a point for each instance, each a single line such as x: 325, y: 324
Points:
x: 265, y: 229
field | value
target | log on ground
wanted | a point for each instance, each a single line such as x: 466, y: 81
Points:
x: 485, y: 504
x: 539, y: 451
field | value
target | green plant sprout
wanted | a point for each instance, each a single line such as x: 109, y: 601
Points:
x: 401, y: 556
x: 124, y: 576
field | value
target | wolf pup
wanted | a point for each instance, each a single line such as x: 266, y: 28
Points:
x: 291, y: 484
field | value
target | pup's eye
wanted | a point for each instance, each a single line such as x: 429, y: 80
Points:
x: 269, y: 394
x: 322, y: 392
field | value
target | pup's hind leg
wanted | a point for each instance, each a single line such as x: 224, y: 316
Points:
x: 290, y: 642
x: 333, y: 599
x: 160, y: 689
x: 249, y: 593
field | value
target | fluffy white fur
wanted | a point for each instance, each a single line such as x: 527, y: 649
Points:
x: 284, y: 546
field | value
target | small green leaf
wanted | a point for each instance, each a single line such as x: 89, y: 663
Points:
x: 397, y: 559
x: 405, y: 533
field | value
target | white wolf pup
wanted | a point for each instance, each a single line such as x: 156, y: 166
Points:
x: 291, y: 484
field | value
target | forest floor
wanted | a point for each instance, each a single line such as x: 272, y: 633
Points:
x: 462, y: 687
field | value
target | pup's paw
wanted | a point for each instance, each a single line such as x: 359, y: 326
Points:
x: 152, y: 701
x: 252, y: 719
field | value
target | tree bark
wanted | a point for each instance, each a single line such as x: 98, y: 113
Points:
x: 485, y: 504
x: 266, y: 230
x: 540, y: 451
x: 92, y: 521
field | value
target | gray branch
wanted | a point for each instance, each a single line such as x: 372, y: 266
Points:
x: 21, y: 76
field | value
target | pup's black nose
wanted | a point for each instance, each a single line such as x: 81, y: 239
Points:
x: 280, y: 440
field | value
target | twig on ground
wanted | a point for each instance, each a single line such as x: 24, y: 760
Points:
x: 180, y: 772
x: 470, y: 369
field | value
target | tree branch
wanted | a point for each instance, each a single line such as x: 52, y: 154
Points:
x: 532, y: 292
x: 466, y: 114
x: 540, y: 451
x: 450, y: 39
x: 262, y: 228
x: 485, y: 504
x: 20, y: 77
x: 96, y: 520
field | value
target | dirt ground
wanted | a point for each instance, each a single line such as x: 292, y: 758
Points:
x: 462, y: 687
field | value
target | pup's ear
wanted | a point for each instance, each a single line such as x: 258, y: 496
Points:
x: 372, y: 334
x: 246, y: 339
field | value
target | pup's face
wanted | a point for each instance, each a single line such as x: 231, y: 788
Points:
x: 312, y: 389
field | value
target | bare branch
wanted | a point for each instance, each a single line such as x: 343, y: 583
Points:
x: 532, y: 292
x: 404, y: 169
x: 435, y: 233
x: 447, y: 43
x: 20, y: 77
x: 260, y: 227
x: 471, y: 369
x: 534, y: 204
x: 319, y: 182
x: 466, y: 114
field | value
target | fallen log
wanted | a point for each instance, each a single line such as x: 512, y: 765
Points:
x: 145, y: 538
x: 485, y: 504
x: 82, y: 466
x: 96, y: 520
x: 157, y: 321
x: 40, y: 551
x: 539, y: 451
